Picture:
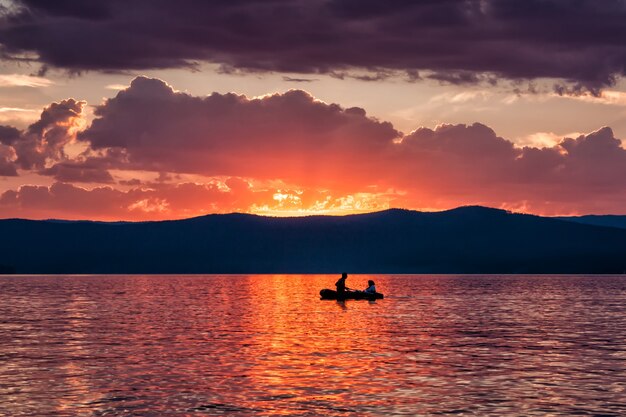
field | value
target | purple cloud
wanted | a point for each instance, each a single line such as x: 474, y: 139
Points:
x: 291, y: 141
x: 582, y: 41
x: 155, y: 128
x: 87, y: 172
x: 46, y: 138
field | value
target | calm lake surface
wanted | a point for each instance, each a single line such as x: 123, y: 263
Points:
x: 266, y: 345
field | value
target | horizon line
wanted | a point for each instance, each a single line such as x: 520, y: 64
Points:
x: 304, y: 215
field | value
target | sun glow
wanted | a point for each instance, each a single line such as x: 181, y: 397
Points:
x: 290, y: 205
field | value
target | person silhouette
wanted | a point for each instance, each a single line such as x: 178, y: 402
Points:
x: 371, y: 287
x: 341, y: 285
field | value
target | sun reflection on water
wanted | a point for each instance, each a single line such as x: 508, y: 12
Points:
x: 266, y: 345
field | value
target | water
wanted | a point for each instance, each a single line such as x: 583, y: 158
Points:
x: 266, y: 345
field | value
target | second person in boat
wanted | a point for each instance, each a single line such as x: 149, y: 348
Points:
x: 371, y: 287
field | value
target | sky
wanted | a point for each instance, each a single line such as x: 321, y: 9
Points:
x: 153, y: 109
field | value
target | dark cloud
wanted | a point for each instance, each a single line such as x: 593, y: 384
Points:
x: 291, y: 151
x: 462, y: 77
x: 9, y: 135
x: 7, y: 166
x: 299, y: 80
x: 78, y: 172
x: 131, y: 182
x: 304, y: 139
x: 581, y: 41
x: 44, y: 142
x: 455, y: 163
x: 46, y: 138
x: 7, y: 169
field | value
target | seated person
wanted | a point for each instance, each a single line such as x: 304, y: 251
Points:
x: 371, y: 289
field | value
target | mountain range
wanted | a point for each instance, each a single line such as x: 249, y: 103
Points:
x: 464, y: 240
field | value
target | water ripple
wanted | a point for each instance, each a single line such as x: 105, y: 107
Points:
x: 266, y: 345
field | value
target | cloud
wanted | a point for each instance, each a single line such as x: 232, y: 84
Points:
x: 458, y: 98
x: 9, y: 135
x: 44, y: 142
x: 17, y: 116
x: 543, y: 139
x: 46, y: 138
x: 78, y: 172
x: 454, y: 41
x: 606, y: 97
x: 116, y: 87
x: 131, y: 182
x: 456, y: 164
x: 306, y: 140
x: 21, y: 80
x: 62, y: 200
x: 170, y: 201
x: 290, y: 153
x: 7, y: 166
x: 299, y: 80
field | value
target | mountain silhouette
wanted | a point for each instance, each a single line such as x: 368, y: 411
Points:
x: 606, y: 220
x: 463, y: 240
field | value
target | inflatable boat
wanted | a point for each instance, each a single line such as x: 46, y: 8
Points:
x: 327, y: 294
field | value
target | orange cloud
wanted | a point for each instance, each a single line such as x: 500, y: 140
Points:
x: 175, y: 201
x: 303, y: 140
x: 288, y: 154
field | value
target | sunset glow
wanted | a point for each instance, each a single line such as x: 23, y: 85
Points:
x: 312, y: 207
x: 132, y: 135
x: 151, y: 153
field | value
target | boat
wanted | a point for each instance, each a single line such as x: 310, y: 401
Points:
x: 327, y: 294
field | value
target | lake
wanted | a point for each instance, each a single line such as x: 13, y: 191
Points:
x: 149, y: 345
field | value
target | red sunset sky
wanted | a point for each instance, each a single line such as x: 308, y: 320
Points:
x: 339, y: 109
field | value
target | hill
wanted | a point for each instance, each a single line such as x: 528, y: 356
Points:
x: 463, y: 240
x: 606, y: 220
